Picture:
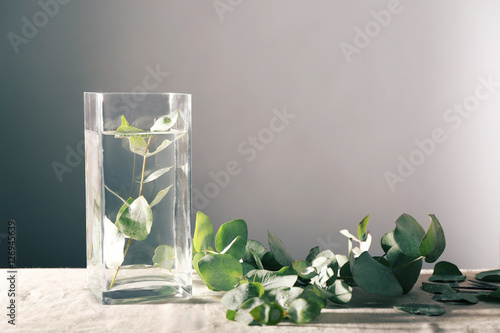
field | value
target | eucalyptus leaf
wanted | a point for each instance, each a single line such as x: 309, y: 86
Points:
x: 421, y: 309
x: 113, y: 245
x: 284, y: 295
x: 235, y: 298
x: 163, y: 145
x: 285, y: 277
x: 221, y: 271
x: 243, y: 315
x: 257, y: 247
x: 161, y: 194
x: 495, y: 295
x: 196, y: 259
x: 230, y: 314
x: 406, y: 269
x: 408, y: 235
x: 247, y: 268
x: 203, y: 233
x: 456, y: 297
x: 164, y: 123
x: 312, y: 253
x: 434, y: 242
x: 236, y: 248
x: 489, y: 276
x: 342, y: 292
x: 164, y: 256
x: 268, y: 313
x: 126, y: 128
x: 256, y: 259
x: 304, y: 269
x: 301, y: 311
x: 362, y: 235
x: 279, y: 251
x: 341, y: 259
x: 228, y: 232
x: 387, y: 241
x: 270, y: 263
x: 157, y: 174
x: 374, y: 277
x: 437, y: 288
x: 138, y: 145
x: 445, y: 271
x: 135, y: 220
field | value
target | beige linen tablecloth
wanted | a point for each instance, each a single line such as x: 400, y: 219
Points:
x: 56, y: 300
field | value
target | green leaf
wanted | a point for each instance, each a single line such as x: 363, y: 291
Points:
x: 113, y: 245
x: 490, y: 276
x: 236, y: 248
x: 137, y: 145
x: 228, y: 232
x: 230, y: 314
x: 164, y: 123
x: 495, y: 295
x: 433, y: 244
x: 437, y: 288
x: 126, y: 128
x: 203, y: 232
x: 374, y: 277
x: 279, y: 251
x: 243, y: 315
x: 388, y: 241
x: 285, y: 277
x: 456, y: 297
x: 268, y: 313
x: 157, y: 174
x: 301, y: 311
x: 221, y: 271
x: 196, y: 259
x: 134, y: 219
x: 312, y: 253
x: 445, y: 271
x: 362, y: 228
x: 161, y: 194
x: 422, y: 309
x: 164, y: 256
x: 246, y: 268
x: 408, y: 235
x: 234, y: 299
x: 270, y: 262
x: 406, y: 269
x: 256, y: 259
x: 304, y: 269
x: 257, y: 247
x: 342, y: 293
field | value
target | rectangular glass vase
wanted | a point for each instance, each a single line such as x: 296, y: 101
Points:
x: 138, y: 196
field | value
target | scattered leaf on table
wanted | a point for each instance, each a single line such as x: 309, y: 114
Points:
x: 490, y: 276
x: 437, y: 288
x: 456, y: 297
x: 421, y: 309
x: 445, y: 271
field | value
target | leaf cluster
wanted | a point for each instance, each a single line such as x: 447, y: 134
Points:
x: 266, y: 286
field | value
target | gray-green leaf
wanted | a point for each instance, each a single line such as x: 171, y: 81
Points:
x: 374, y: 277
x: 236, y: 248
x: 268, y: 313
x: 221, y: 271
x: 408, y: 235
x: 135, y: 220
x: 445, y: 271
x: 490, y: 276
x: 434, y: 242
x: 164, y: 256
x: 164, y: 123
x: 456, y: 297
x: 421, y: 309
x: 235, y: 298
x: 301, y: 311
x: 155, y: 175
x: 285, y: 277
x: 279, y: 250
x: 160, y: 196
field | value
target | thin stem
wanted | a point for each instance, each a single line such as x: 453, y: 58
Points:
x: 132, y: 233
x: 144, y: 166
x: 411, y: 262
x: 133, y: 175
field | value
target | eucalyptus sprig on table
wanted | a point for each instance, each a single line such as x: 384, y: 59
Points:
x: 266, y: 286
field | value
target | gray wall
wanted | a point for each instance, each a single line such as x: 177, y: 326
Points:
x: 359, y: 103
